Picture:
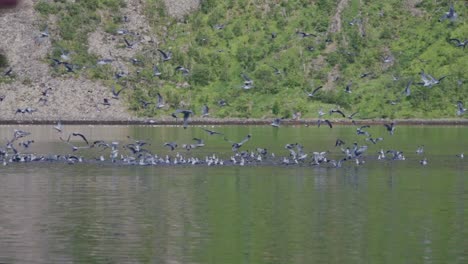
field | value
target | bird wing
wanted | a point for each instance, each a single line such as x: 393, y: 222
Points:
x: 160, y: 99
x: 316, y: 89
x: 205, y: 110
x: 163, y: 53
x: 245, y: 139
x: 81, y: 136
x: 353, y: 114
x: 246, y: 78
x: 339, y: 112
x: 456, y: 40
x: 328, y: 123
x: 198, y: 140
x: 441, y: 78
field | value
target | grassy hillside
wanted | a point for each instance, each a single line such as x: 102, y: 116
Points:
x: 391, y: 40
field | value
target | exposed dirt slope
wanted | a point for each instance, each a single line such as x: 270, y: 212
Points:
x: 70, y: 97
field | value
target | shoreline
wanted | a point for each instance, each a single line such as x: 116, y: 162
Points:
x: 235, y: 121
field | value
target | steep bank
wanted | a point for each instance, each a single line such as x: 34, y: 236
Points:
x: 377, y: 48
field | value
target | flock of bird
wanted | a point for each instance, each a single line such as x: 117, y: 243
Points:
x: 137, y: 152
x: 130, y: 39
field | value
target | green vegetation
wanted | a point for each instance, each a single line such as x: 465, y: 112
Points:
x: 371, y: 31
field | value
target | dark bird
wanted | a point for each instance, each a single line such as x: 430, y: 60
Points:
x: 320, y: 121
x: 459, y: 43
x: 351, y: 116
x: 70, y: 67
x: 160, y: 103
x: 8, y: 72
x: 76, y: 134
x: 236, y: 146
x: 218, y: 26
x: 183, y: 70
x: 311, y: 94
x: 366, y: 74
x: 277, y: 71
x: 222, y: 103
x: 339, y: 142
x: 200, y: 142
x: 28, y: 110
x: 205, y: 111
x: 276, y: 122
x: 128, y: 44
x: 374, y: 140
x: 186, y: 114
x: 106, y: 102
x: 156, y: 71
x: 337, y: 111
x: 45, y: 33
x: 451, y: 15
x: 17, y: 134
x: 304, y: 34
x: 460, y: 109
x: 248, y: 83
x: 407, y: 91
x: 165, y: 55
x: 171, y: 145
x: 428, y: 80
x: 211, y: 132
x: 46, y: 92
x: 361, y: 131
x: 348, y: 88
x: 390, y: 128
x: 144, y: 103
x: 59, y: 126
x: 74, y: 148
x: 115, y: 93
x: 2, y: 97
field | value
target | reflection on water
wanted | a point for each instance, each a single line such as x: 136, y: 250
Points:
x: 377, y: 213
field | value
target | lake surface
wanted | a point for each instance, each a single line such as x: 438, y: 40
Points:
x: 384, y: 211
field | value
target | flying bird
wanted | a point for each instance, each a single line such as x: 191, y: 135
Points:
x: 460, y: 108
x: 76, y: 134
x: 390, y: 128
x: 459, y: 43
x: 407, y: 91
x: 348, y: 88
x: 160, y: 103
x: 186, y: 114
x: 211, y: 132
x: 165, y: 55
x: 305, y: 34
x: 205, y: 111
x: 320, y: 121
x: 451, y: 15
x: 428, y: 80
x: 156, y: 71
x: 183, y: 70
x: 276, y: 122
x: 337, y: 111
x: 59, y: 126
x: 115, y: 93
x: 171, y: 145
x: 236, y: 146
x: 312, y: 94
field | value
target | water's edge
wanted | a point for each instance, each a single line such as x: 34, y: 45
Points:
x: 237, y: 121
